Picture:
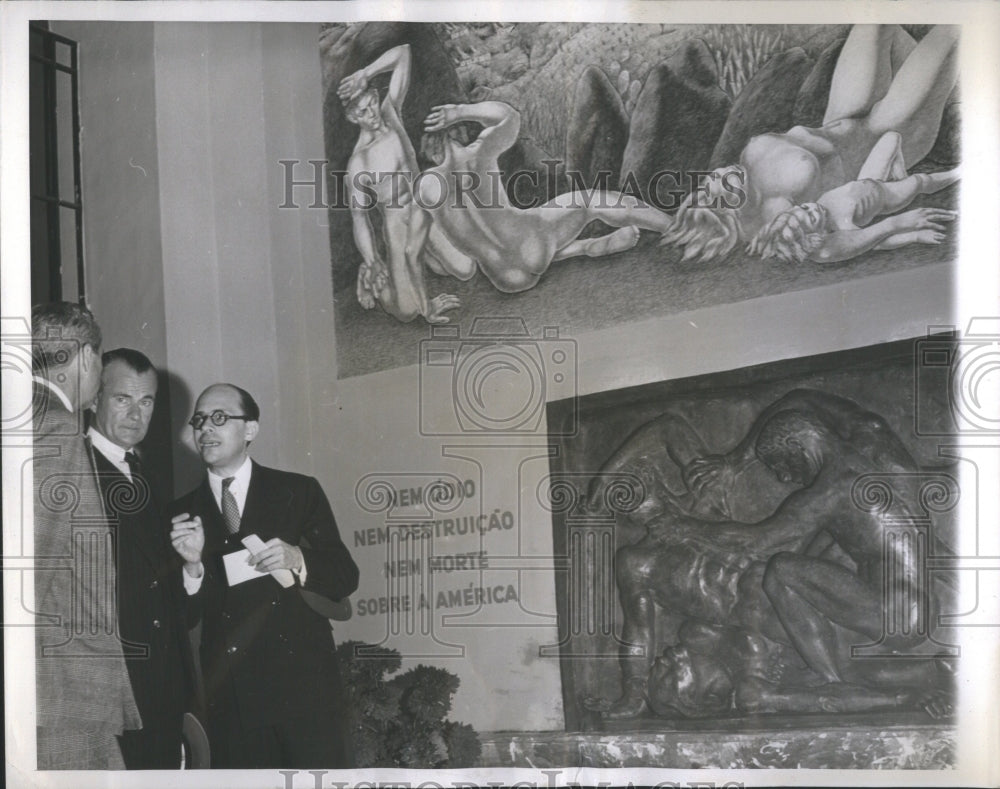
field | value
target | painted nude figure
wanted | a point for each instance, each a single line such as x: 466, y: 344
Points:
x: 380, y: 175
x: 884, y: 84
x: 513, y: 246
x: 807, y: 577
x: 839, y: 226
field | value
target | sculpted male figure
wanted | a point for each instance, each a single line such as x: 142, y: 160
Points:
x: 84, y: 698
x: 272, y: 679
x: 697, y: 564
x: 380, y: 175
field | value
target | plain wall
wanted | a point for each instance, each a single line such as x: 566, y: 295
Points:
x: 121, y: 198
x: 246, y: 283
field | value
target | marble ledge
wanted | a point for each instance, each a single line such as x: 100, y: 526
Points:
x: 846, y: 746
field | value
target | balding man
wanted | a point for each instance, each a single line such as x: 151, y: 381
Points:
x: 272, y: 682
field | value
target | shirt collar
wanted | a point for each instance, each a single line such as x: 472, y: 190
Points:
x: 241, y: 479
x: 106, y: 446
x: 41, y: 380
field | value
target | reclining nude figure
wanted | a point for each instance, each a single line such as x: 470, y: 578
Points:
x: 805, y: 581
x: 883, y: 115
x: 380, y: 176
x: 462, y: 196
x: 839, y: 226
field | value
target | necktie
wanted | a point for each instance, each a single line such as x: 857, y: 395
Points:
x: 134, y: 464
x: 230, y: 511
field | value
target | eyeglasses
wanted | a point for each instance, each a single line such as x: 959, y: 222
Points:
x: 218, y: 418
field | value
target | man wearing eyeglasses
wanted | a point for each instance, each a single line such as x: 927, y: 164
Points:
x: 272, y: 684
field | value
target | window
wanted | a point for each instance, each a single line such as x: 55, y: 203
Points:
x: 57, y: 270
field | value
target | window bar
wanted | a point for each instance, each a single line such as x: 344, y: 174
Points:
x: 51, y: 167
x: 77, y: 178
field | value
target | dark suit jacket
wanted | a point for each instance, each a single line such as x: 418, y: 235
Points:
x: 152, y: 603
x: 82, y: 682
x: 277, y: 653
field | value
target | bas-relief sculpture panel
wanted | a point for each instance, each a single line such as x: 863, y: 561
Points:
x: 756, y: 543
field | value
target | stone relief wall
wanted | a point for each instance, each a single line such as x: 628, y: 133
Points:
x: 756, y: 542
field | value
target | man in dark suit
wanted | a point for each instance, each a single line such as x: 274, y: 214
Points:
x: 151, y: 599
x: 84, y: 698
x: 272, y: 682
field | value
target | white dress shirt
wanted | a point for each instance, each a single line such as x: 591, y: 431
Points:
x: 114, y: 453
x: 239, y: 487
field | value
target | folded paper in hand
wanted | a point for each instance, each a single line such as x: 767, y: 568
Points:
x: 238, y: 570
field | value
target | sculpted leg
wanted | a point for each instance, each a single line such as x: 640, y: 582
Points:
x: 633, y: 566
x: 442, y: 257
x: 632, y: 570
x: 915, y: 101
x: 885, y: 162
x: 619, y: 241
x: 582, y: 207
x: 864, y: 69
x: 899, y: 194
x: 819, y: 604
x: 757, y: 695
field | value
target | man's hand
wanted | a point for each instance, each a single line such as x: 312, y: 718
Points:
x: 278, y: 555
x: 352, y: 86
x: 439, y: 305
x: 187, y: 535
x: 711, y: 470
x: 442, y: 116
x: 372, y: 279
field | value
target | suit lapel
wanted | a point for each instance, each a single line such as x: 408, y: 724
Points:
x: 146, y: 535
x: 205, y: 506
x: 264, y: 505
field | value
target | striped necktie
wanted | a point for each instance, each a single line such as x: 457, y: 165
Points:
x: 230, y: 511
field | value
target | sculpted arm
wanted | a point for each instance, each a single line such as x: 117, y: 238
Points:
x: 792, y: 527
x: 416, y: 239
x: 840, y: 414
x: 921, y: 225
x: 396, y: 60
x: 372, y: 276
x: 700, y: 471
x: 501, y: 121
